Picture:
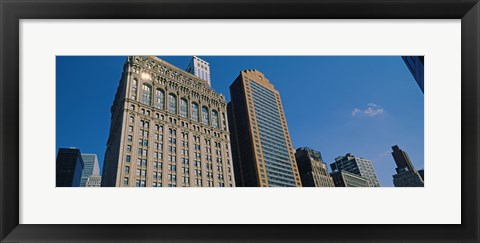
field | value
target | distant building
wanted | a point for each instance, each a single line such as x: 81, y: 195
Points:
x: 69, y: 167
x: 262, y: 152
x: 415, y: 65
x: 406, y: 175
x: 94, y: 181
x: 347, y: 179
x: 356, y: 165
x: 199, y: 68
x: 90, y: 167
x: 313, y: 171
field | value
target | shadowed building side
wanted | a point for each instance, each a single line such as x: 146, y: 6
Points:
x: 69, y: 167
x: 313, y: 171
x: 406, y: 175
x: 416, y: 66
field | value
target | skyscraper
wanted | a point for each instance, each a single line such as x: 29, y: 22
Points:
x: 356, y: 165
x: 69, y: 167
x: 262, y: 150
x: 90, y: 168
x: 313, y: 171
x: 199, y: 68
x: 406, y: 175
x: 168, y: 129
x: 416, y: 66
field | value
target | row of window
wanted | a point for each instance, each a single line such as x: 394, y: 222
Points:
x: 146, y: 98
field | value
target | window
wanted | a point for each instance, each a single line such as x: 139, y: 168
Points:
x: 137, y: 183
x: 131, y: 119
x: 128, y: 158
x: 205, y: 117
x: 130, y: 128
x: 183, y: 108
x: 215, y: 119
x: 129, y: 148
x: 127, y: 169
x: 146, y: 94
x: 130, y: 138
x: 125, y: 181
x: 159, y: 99
x: 134, y: 89
x: 195, y: 111
x: 172, y: 103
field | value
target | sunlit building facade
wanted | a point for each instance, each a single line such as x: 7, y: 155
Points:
x: 90, y: 168
x: 262, y: 149
x: 199, y: 68
x: 168, y: 129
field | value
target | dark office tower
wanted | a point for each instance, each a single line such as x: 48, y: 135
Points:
x: 421, y: 174
x: 168, y: 129
x: 263, y: 153
x: 356, y: 165
x: 401, y: 159
x: 406, y: 175
x: 313, y: 171
x: 346, y: 179
x: 415, y: 65
x: 69, y: 167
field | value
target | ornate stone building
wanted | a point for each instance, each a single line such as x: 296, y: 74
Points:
x: 168, y: 129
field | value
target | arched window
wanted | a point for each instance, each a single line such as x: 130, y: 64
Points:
x: 183, y: 108
x: 205, y: 118
x: 215, y: 118
x: 159, y: 99
x: 195, y: 111
x: 146, y: 94
x: 172, y: 103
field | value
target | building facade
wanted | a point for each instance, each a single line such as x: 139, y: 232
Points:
x: 90, y: 167
x: 69, y: 166
x: 356, y: 165
x: 313, y: 171
x: 416, y: 66
x: 94, y: 181
x: 347, y: 179
x: 168, y: 129
x: 406, y: 175
x: 199, y: 68
x: 261, y: 146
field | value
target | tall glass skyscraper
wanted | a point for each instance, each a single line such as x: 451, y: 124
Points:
x: 90, y: 168
x: 262, y: 151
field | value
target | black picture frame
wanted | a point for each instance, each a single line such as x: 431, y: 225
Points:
x: 12, y: 11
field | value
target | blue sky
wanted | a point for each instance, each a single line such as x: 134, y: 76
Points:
x: 336, y: 105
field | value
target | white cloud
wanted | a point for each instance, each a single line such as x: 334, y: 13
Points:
x: 371, y: 110
x: 356, y: 111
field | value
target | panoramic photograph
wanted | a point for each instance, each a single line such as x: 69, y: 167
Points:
x: 239, y: 121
